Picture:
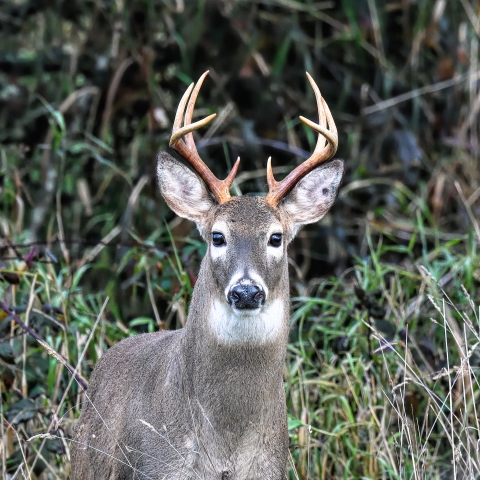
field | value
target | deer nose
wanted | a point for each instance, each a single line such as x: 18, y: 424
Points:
x: 249, y: 296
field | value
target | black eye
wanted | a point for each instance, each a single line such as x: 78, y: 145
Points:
x: 218, y: 239
x: 275, y: 240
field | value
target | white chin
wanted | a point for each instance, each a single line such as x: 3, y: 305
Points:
x: 246, y: 312
x: 244, y: 326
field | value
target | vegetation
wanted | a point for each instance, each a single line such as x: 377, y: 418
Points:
x: 382, y: 377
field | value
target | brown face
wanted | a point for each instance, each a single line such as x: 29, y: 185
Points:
x: 247, y: 251
x: 244, y: 275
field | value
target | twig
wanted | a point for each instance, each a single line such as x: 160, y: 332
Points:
x: 81, y: 241
x: 112, y: 91
x: 80, y: 380
x: 391, y: 102
x: 42, y: 208
x: 267, y: 142
x: 53, y: 421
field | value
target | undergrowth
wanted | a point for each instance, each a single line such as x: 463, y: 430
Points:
x: 381, y: 378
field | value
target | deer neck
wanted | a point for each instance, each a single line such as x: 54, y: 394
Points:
x: 243, y: 373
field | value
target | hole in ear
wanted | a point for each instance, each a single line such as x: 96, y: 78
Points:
x: 313, y: 196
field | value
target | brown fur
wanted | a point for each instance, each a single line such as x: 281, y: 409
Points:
x: 187, y: 404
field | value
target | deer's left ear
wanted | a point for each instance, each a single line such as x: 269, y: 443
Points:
x: 313, y: 195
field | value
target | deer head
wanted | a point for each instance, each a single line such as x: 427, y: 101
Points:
x: 246, y: 261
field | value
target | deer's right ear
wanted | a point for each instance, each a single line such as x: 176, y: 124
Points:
x: 183, y: 190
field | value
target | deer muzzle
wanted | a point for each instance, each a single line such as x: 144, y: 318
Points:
x: 246, y: 295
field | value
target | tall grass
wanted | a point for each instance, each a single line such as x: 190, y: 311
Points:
x: 384, y: 383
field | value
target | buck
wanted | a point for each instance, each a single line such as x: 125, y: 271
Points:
x: 207, y: 401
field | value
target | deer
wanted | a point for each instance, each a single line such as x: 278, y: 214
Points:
x: 207, y: 401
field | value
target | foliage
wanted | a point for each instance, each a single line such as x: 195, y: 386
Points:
x: 383, y: 362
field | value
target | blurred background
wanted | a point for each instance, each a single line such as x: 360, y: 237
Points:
x: 88, y: 93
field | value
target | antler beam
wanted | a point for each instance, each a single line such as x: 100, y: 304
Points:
x: 186, y: 147
x: 322, y: 152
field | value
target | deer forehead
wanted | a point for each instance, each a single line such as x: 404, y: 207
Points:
x: 246, y: 217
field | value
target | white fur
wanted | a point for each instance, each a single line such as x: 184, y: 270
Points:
x: 237, y: 327
x: 221, y: 251
x: 275, y: 252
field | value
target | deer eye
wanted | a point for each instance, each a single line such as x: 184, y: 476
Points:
x: 275, y: 240
x: 218, y: 239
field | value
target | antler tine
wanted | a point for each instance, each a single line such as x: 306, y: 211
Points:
x: 321, y: 141
x: 219, y: 188
x: 191, y: 107
x: 322, y: 152
x: 178, y: 131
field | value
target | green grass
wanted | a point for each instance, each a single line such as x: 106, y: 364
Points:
x: 381, y: 377
x: 377, y: 401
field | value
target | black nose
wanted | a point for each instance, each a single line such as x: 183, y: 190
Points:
x: 247, y: 296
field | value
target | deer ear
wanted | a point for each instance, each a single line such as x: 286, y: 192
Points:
x: 183, y: 190
x: 314, y: 194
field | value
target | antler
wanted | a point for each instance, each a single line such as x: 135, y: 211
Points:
x: 322, y: 152
x: 186, y: 148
